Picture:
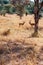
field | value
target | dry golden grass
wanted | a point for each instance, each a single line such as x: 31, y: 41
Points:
x: 19, y: 33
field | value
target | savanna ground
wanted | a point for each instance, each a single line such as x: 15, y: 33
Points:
x: 17, y: 48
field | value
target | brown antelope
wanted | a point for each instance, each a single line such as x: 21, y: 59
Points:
x: 5, y: 33
x: 21, y: 23
x: 31, y: 23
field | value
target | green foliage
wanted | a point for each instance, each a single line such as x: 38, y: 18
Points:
x: 20, y: 9
x: 29, y: 9
x: 5, y: 1
x: 8, y: 8
x: 2, y: 10
x: 11, y: 10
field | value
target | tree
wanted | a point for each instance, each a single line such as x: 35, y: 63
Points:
x: 19, y: 6
x: 36, y: 15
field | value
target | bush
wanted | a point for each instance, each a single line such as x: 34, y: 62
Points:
x: 29, y: 9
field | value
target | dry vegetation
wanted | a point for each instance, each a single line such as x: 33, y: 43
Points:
x: 16, y: 48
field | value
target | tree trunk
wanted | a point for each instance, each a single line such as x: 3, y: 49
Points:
x: 36, y: 14
x: 36, y: 22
